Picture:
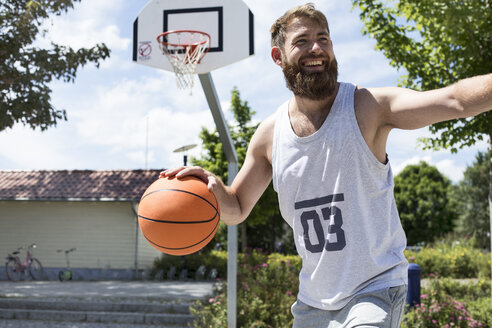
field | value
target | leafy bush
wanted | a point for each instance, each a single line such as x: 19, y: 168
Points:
x: 447, y: 303
x: 466, y: 291
x: 267, y: 287
x: 480, y: 309
x: 456, y: 261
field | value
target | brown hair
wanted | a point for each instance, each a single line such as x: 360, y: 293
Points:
x: 308, y: 11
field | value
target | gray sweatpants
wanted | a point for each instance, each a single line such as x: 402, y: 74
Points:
x: 379, y: 309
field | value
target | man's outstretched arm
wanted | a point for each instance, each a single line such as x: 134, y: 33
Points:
x: 379, y: 110
x: 409, y: 109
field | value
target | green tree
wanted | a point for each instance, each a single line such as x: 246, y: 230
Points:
x: 264, y: 226
x: 26, y: 70
x: 471, y: 197
x: 437, y: 42
x: 421, y: 194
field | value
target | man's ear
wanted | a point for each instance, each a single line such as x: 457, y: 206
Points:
x: 276, y: 56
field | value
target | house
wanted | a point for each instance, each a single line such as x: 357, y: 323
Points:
x: 92, y: 211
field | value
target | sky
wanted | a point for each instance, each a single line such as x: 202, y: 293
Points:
x: 123, y: 115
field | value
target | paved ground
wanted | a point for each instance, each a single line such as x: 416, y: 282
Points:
x: 146, y: 292
x: 135, y: 290
x: 51, y: 324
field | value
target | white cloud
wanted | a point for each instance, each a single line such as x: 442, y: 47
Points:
x: 88, y: 23
x: 410, y: 161
x: 120, y: 116
x: 86, y: 33
x: 447, y: 167
x: 26, y: 148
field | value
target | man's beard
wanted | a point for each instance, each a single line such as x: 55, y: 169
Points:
x: 314, y: 86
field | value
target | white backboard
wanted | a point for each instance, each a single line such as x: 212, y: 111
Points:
x: 229, y: 23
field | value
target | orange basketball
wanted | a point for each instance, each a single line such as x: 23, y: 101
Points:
x: 178, y: 216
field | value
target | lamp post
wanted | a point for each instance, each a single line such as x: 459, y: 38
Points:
x: 183, y: 150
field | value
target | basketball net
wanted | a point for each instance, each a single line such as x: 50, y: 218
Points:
x: 184, y: 49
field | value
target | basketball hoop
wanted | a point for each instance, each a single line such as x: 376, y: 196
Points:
x: 184, y: 49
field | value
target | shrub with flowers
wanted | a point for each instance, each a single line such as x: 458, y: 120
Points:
x: 446, y: 303
x: 267, y: 287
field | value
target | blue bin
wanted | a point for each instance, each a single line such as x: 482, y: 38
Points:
x: 413, y: 294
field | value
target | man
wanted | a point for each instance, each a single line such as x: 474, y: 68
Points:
x: 325, y: 150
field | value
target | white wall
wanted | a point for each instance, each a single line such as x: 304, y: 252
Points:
x: 104, y: 233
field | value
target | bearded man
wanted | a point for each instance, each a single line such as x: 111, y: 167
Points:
x: 325, y: 150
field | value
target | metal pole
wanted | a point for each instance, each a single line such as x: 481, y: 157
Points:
x: 137, y: 229
x: 232, y: 261
x: 230, y: 152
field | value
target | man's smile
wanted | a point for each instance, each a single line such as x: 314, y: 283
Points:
x: 313, y: 64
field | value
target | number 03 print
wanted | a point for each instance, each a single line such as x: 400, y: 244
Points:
x: 331, y: 240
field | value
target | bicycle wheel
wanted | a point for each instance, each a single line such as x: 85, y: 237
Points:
x: 36, y: 269
x: 12, y: 271
x: 65, y: 275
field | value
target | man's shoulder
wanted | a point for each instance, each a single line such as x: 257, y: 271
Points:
x: 368, y: 98
x: 262, y: 141
x: 264, y: 133
x: 269, y: 122
x: 377, y: 95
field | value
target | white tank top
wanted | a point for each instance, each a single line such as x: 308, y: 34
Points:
x: 338, y: 199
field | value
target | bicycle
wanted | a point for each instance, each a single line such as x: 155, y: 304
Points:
x: 66, y: 275
x: 16, y: 269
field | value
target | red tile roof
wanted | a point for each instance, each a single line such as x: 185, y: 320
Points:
x: 80, y: 185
